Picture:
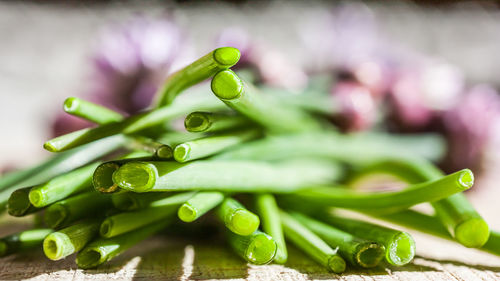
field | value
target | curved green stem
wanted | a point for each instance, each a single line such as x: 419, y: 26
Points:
x: 102, y: 179
x: 104, y: 249
x: 128, y: 221
x: 455, y: 212
x: 80, y: 206
x: 19, y: 204
x: 211, y: 145
x: 414, y: 194
x: 203, y: 68
x: 359, y: 149
x: 271, y: 223
x: 62, y: 186
x: 208, y: 122
x: 399, y: 245
x: 130, y: 201
x: 237, y: 218
x: 257, y: 248
x: 311, y: 244
x: 69, y: 240
x: 90, y: 111
x: 199, y: 205
x: 263, y: 109
x: 228, y: 176
x: 22, y: 241
x: 358, y: 252
x: 432, y: 225
x: 58, y: 165
x: 134, y: 123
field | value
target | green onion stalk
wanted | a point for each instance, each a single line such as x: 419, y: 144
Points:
x: 257, y: 248
x: 202, y: 69
x: 199, y: 204
x: 125, y: 222
x: 359, y: 149
x: 432, y: 225
x: 357, y: 251
x: 77, y: 207
x: 102, y: 179
x: 90, y: 111
x: 211, y: 145
x: 102, y: 250
x: 227, y: 176
x: 401, y: 199
x: 62, y: 186
x: 273, y: 114
x: 268, y: 211
x: 455, y: 212
x: 69, y: 240
x: 135, y: 123
x: 311, y: 244
x: 209, y: 122
x: 130, y: 201
x: 237, y: 218
x: 57, y: 165
x: 176, y: 137
x: 159, y: 150
x: 399, y: 245
x: 23, y: 241
x: 19, y: 203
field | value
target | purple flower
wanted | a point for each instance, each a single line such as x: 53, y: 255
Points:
x: 469, y: 127
x: 358, y: 108
x: 129, y: 63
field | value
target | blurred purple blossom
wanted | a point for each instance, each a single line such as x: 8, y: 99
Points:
x: 358, y: 109
x: 470, y: 126
x: 129, y: 63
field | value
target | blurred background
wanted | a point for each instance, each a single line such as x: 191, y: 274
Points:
x: 400, y: 66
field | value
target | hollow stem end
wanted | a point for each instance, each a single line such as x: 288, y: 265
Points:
x: 472, y: 233
x: 227, y: 85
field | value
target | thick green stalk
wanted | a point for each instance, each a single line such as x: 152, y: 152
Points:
x: 237, y: 218
x: 203, y: 68
x: 130, y: 201
x: 354, y: 149
x: 199, y: 205
x: 22, y: 241
x: 80, y: 206
x: 311, y: 244
x: 176, y: 137
x: 263, y: 109
x: 358, y: 252
x: 418, y: 193
x: 432, y: 225
x: 209, y: 122
x: 19, y: 204
x: 69, y: 240
x: 399, y: 245
x: 211, y: 145
x: 57, y: 165
x: 129, y: 221
x: 102, y: 179
x: 104, y: 249
x: 157, y: 149
x: 455, y: 212
x: 228, y: 176
x: 134, y: 123
x: 257, y: 248
x: 90, y: 111
x: 62, y: 186
x: 271, y: 224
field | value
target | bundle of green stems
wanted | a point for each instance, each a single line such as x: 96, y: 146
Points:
x: 278, y: 153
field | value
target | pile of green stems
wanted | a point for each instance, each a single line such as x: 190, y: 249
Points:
x: 240, y: 140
